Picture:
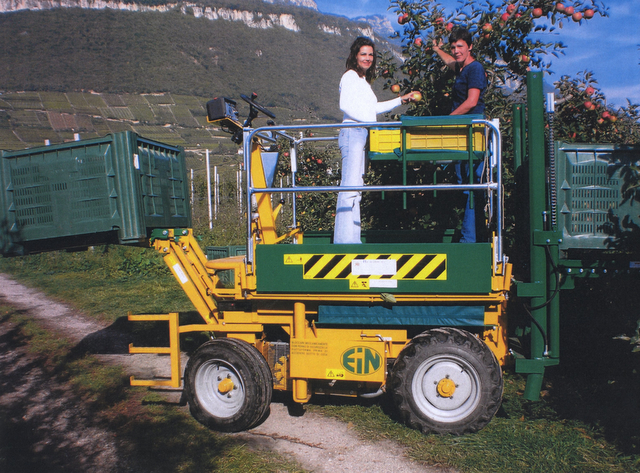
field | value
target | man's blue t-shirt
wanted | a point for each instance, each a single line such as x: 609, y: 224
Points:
x: 472, y: 76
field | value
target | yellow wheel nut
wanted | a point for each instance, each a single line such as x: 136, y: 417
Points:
x: 446, y: 387
x: 225, y: 386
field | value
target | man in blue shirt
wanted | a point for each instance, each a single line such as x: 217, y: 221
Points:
x: 468, y: 98
x: 471, y: 80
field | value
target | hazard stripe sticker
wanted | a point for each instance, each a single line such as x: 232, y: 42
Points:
x: 366, y: 267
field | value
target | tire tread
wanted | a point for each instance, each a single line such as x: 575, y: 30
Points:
x: 441, y: 338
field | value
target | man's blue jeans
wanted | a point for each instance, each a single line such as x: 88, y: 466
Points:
x: 468, y: 229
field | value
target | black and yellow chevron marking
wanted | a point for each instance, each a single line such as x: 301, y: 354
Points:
x: 415, y: 267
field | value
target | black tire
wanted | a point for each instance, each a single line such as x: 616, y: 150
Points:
x: 267, y: 375
x: 446, y: 381
x: 228, y: 385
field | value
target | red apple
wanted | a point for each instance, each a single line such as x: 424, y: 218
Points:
x: 568, y: 11
x: 440, y: 21
x: 518, y: 15
x: 577, y: 16
x: 589, y: 90
x: 504, y: 16
x: 487, y: 27
x: 449, y: 26
x: 395, y: 88
x: 605, y: 114
x: 402, y: 19
x: 524, y: 58
x: 511, y: 8
x: 612, y: 118
x: 560, y: 7
x: 588, y: 13
x: 588, y: 104
x: 537, y: 12
x: 417, y: 96
x: 418, y: 41
x: 600, y: 121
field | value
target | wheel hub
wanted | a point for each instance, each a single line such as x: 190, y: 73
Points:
x: 446, y: 387
x: 225, y: 386
x: 219, y: 388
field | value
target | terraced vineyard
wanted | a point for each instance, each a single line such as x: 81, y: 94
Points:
x: 27, y: 119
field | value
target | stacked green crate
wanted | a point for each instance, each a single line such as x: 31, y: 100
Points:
x: 591, y: 182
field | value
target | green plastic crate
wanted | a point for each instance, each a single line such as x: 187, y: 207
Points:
x: 114, y: 189
x: 590, y: 200
x: 217, y: 252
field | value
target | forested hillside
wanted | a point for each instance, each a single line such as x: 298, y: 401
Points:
x: 97, y: 64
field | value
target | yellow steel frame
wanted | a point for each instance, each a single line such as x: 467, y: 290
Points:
x: 173, y: 349
x: 198, y: 278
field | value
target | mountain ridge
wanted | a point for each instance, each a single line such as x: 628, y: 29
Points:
x: 113, y: 52
x: 251, y: 18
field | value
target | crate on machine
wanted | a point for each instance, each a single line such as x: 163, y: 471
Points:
x: 113, y: 189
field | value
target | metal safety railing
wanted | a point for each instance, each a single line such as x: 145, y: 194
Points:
x: 493, y: 186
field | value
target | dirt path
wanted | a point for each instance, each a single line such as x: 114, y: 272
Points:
x: 43, y: 427
x: 319, y: 444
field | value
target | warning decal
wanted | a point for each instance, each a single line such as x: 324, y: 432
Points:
x: 334, y: 374
x: 365, y: 267
x: 359, y: 284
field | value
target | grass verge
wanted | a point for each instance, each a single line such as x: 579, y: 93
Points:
x: 523, y: 437
x: 151, y: 435
x: 105, y: 282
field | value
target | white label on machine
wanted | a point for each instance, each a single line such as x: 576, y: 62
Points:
x: 180, y: 273
x: 385, y: 283
x: 373, y: 267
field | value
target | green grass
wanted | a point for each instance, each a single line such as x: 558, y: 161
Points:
x: 152, y: 435
x: 586, y: 421
x: 523, y: 437
x: 105, y: 283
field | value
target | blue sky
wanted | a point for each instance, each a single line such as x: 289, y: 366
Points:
x: 607, y: 46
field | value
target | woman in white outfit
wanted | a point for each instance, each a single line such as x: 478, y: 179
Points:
x: 360, y: 105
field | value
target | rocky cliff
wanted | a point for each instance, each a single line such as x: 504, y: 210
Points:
x: 17, y: 5
x: 253, y: 19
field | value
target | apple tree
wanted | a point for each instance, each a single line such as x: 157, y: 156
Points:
x: 317, y: 166
x: 510, y: 37
x: 582, y: 114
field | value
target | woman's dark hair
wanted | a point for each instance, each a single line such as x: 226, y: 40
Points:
x: 460, y: 34
x: 352, y: 61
